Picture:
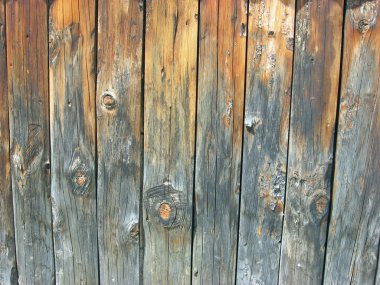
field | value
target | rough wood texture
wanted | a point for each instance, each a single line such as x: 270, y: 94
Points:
x: 219, y: 139
x: 73, y: 140
x: 354, y: 233
x: 267, y: 107
x: 120, y: 32
x: 169, y: 139
x: 8, y: 270
x: 27, y: 53
x: 311, y: 140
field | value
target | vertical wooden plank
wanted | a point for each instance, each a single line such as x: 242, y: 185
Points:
x: 8, y: 270
x: 311, y: 140
x: 354, y: 233
x: 120, y: 32
x: 27, y: 53
x: 221, y: 76
x: 73, y: 139
x: 267, y: 108
x: 169, y: 134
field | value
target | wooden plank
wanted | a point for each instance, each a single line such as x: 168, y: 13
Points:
x: 8, y: 269
x: 267, y: 108
x: 311, y: 140
x: 27, y: 53
x: 221, y: 76
x: 119, y: 139
x: 169, y: 139
x: 354, y: 233
x: 73, y: 139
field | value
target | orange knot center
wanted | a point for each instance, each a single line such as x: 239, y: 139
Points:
x: 165, y: 211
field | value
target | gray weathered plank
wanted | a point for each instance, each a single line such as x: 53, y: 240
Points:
x: 8, y: 270
x: 267, y: 108
x: 311, y: 140
x: 221, y: 74
x: 354, y: 233
x: 119, y: 139
x: 27, y: 53
x: 73, y: 140
x: 169, y: 139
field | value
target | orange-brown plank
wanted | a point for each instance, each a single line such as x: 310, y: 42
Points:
x: 169, y: 138
x: 120, y: 31
x: 27, y: 54
x: 317, y: 48
x: 8, y: 270
x: 73, y: 139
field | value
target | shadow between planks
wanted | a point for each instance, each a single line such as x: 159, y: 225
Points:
x: 189, y: 142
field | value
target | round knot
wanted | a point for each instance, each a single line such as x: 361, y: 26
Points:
x: 108, y: 100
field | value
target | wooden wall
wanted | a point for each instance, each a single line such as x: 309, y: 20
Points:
x: 189, y: 142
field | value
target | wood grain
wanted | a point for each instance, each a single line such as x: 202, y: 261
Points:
x: 27, y: 67
x: 169, y: 139
x: 8, y: 269
x: 354, y: 233
x: 221, y: 74
x: 72, y: 123
x: 120, y: 30
x: 311, y: 140
x: 267, y: 110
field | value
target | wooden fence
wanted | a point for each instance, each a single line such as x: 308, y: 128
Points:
x: 189, y: 142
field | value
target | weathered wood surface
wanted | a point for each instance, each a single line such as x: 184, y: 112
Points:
x: 169, y: 139
x: 73, y: 139
x: 188, y: 143
x: 119, y: 139
x: 27, y: 67
x: 222, y: 43
x: 354, y: 233
x: 8, y: 270
x: 266, y: 122
x: 317, y: 48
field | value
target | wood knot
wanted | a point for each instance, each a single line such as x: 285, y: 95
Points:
x: 81, y: 178
x: 318, y: 205
x: 166, y: 206
x: 252, y: 123
x: 108, y: 100
x: 364, y: 16
x: 134, y: 230
x: 80, y: 171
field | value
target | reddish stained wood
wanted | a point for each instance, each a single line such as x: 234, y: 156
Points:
x: 120, y: 31
x: 169, y: 137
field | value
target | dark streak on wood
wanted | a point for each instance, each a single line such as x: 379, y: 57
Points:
x: 354, y: 232
x: 267, y: 108
x: 8, y: 269
x: 221, y: 76
x: 27, y: 53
